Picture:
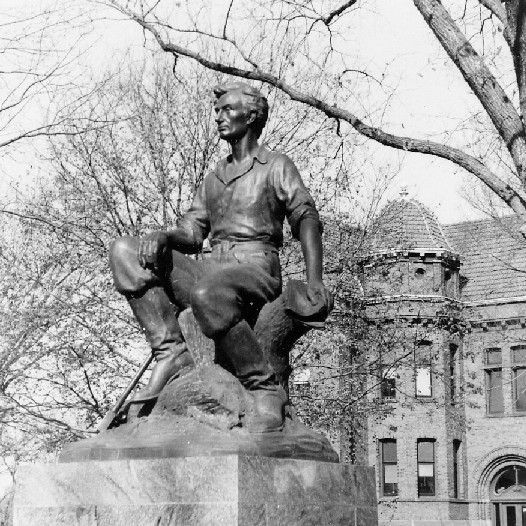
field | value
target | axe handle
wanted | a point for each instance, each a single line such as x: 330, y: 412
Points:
x: 110, y: 416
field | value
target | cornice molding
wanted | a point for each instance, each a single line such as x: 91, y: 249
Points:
x: 417, y: 252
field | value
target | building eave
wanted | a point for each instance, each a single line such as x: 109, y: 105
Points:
x: 495, y: 301
x: 421, y: 252
x: 431, y: 298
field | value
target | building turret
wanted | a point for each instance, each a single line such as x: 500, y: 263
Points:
x: 409, y: 255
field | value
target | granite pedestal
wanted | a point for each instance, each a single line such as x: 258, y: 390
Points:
x: 229, y: 490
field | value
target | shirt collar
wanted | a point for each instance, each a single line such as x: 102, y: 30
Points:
x: 261, y: 154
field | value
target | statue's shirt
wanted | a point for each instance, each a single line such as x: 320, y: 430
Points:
x: 250, y: 202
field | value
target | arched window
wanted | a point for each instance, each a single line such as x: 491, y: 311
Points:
x: 511, y: 476
x: 508, y: 494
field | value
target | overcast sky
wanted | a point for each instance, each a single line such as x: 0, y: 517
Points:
x: 386, y: 34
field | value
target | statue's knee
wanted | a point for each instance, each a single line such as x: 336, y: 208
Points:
x: 215, y: 308
x: 121, y: 248
x: 128, y: 275
x: 201, y: 298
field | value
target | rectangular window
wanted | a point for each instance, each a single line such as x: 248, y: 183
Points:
x: 456, y: 468
x: 493, y: 356
x: 423, y: 370
x: 423, y: 381
x: 493, y: 368
x: 518, y: 359
x: 426, y: 467
x: 389, y: 468
x: 388, y: 384
x: 453, y: 373
x: 494, y: 391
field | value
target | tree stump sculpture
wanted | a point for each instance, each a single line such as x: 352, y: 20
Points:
x: 202, y: 410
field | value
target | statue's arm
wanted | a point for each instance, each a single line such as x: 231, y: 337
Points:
x: 188, y: 236
x: 184, y: 240
x: 153, y: 244
x: 311, y: 245
x: 305, y: 224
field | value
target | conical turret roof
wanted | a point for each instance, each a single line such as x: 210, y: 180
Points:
x: 406, y: 224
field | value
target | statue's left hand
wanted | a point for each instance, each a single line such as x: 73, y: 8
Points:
x: 317, y: 290
x: 151, y: 246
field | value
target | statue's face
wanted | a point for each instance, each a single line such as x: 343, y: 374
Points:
x: 232, y: 118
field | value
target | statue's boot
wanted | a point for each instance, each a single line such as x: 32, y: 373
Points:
x: 241, y: 348
x: 157, y: 317
x: 170, y: 363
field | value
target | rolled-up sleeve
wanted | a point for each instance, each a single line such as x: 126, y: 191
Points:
x: 291, y: 190
x: 196, y: 221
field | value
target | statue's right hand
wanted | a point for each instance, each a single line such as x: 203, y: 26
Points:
x: 151, y: 247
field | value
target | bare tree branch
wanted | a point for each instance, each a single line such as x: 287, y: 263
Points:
x: 327, y: 20
x: 515, y: 198
x: 497, y: 8
x: 485, y: 86
x: 227, y: 18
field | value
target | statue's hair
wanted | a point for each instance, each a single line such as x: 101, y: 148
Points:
x: 254, y: 99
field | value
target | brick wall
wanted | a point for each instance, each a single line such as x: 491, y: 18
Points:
x: 489, y: 442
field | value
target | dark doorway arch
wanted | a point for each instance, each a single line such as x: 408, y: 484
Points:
x: 508, y: 496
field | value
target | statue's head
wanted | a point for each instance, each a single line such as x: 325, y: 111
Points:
x: 253, y: 103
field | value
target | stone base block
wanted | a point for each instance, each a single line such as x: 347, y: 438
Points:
x: 196, y: 491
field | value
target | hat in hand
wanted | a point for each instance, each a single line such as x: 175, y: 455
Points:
x: 299, y: 307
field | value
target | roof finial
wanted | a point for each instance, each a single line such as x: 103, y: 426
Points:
x: 403, y: 192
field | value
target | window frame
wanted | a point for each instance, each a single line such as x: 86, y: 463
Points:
x: 429, y: 368
x: 457, y: 468
x: 387, y: 375
x: 420, y: 463
x: 384, y: 463
x: 517, y: 365
x: 490, y: 368
x: 454, y: 373
x: 424, y: 362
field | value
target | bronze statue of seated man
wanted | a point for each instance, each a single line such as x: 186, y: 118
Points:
x: 240, y: 206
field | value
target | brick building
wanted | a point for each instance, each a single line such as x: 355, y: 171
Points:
x: 450, y: 446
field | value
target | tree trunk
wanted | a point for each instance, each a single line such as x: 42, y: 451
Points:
x: 277, y: 333
x: 482, y: 82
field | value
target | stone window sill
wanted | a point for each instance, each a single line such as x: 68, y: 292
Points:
x: 504, y: 415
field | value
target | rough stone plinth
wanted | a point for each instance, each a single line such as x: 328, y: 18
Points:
x: 196, y: 491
